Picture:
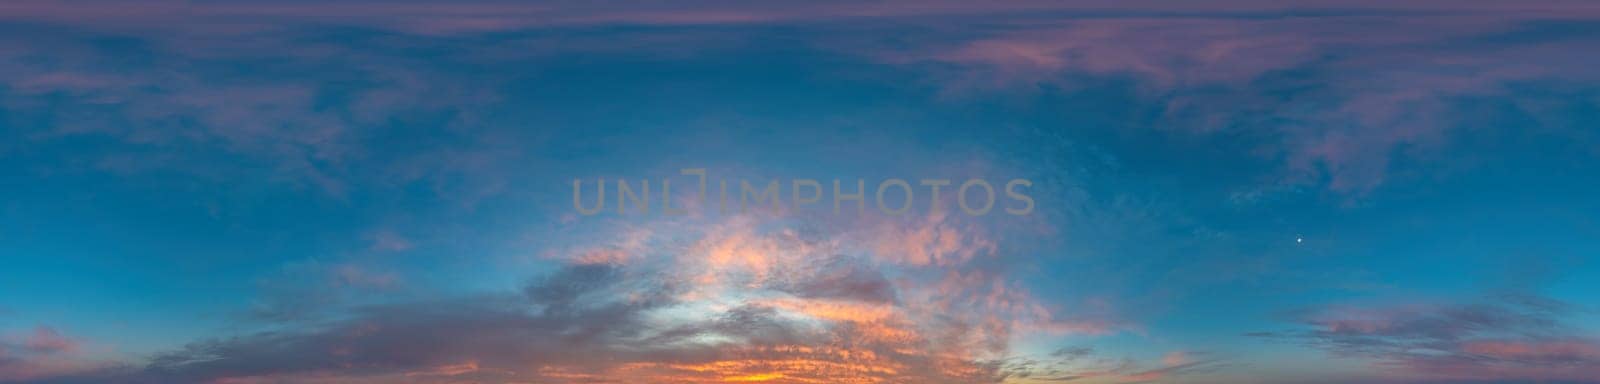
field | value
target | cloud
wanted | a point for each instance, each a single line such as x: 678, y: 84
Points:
x: 843, y: 278
x: 487, y: 16
x: 1339, y: 110
x: 484, y: 336
x: 47, y: 340
x: 1084, y: 364
x: 1503, y: 338
x: 312, y: 289
x: 42, y: 353
x: 288, y: 119
x: 774, y: 305
x: 389, y: 241
x: 1332, y: 108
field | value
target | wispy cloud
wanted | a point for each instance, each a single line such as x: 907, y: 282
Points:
x: 43, y: 353
x: 1515, y: 337
x: 1340, y: 109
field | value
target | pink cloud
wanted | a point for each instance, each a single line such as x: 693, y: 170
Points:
x: 1555, y: 350
x: 1383, y: 94
x: 480, y: 16
x: 937, y: 239
x: 351, y: 275
x: 44, y: 352
x: 389, y: 241
x: 1175, y: 358
x: 1165, y: 52
x: 48, y: 340
x: 1500, y: 339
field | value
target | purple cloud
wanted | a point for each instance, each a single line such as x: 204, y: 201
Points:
x: 1342, y: 108
x: 1514, y: 337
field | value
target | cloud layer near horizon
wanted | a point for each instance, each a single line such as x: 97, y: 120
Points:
x: 734, y: 304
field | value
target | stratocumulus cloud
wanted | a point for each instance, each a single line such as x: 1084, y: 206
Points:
x: 738, y: 304
x: 1515, y: 337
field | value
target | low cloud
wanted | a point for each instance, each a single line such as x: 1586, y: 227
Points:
x: 1515, y: 337
x: 773, y: 306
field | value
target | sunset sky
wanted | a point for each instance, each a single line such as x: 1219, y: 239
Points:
x: 1231, y: 191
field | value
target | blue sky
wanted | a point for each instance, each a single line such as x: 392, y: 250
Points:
x: 1226, y: 192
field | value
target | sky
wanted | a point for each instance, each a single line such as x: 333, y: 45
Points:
x: 1231, y: 191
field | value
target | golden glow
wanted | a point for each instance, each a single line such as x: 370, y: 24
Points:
x: 754, y: 378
